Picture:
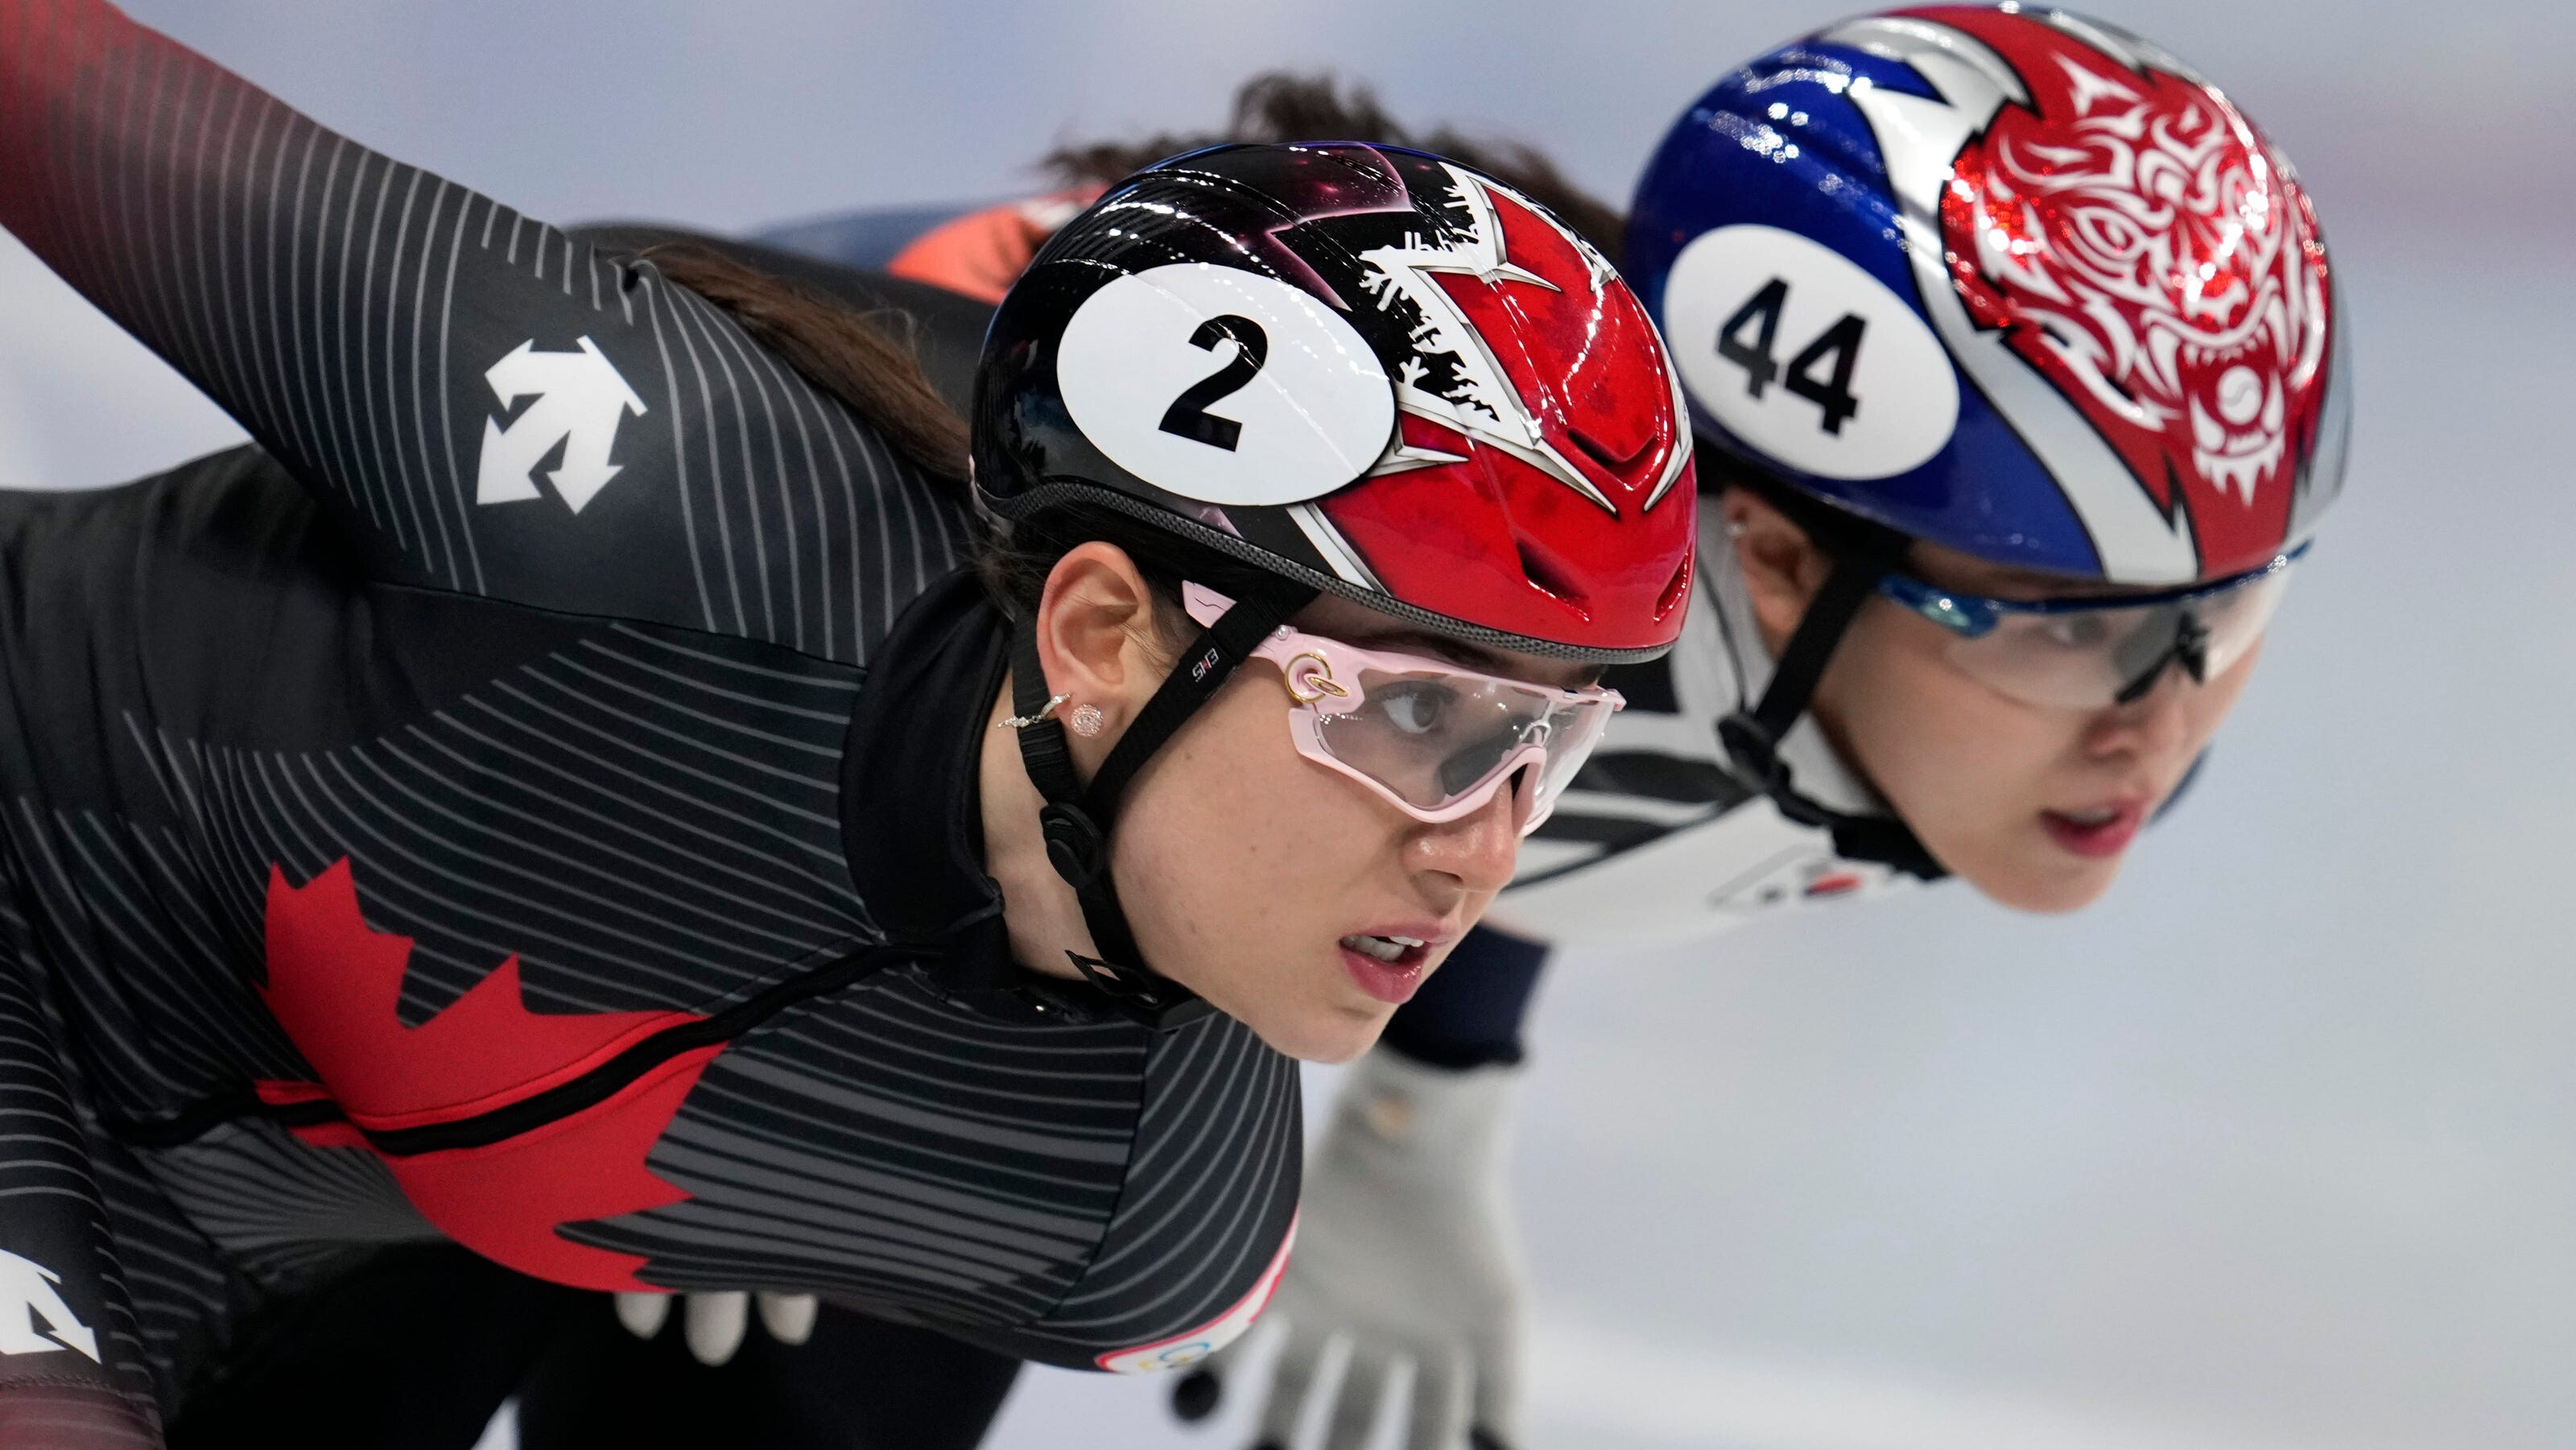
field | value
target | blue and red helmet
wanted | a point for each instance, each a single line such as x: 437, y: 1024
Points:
x: 2011, y: 281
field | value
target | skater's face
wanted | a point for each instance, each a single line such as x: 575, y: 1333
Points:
x: 1249, y: 873
x: 2034, y: 805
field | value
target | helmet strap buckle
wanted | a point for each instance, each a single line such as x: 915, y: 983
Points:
x: 1075, y: 846
x: 1753, y: 752
x: 1142, y: 994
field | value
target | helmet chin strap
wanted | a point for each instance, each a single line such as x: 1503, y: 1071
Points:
x: 1752, y: 739
x: 1076, y: 820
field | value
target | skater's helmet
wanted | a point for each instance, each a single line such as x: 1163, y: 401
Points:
x: 1333, y: 368
x: 2009, y: 280
x: 1369, y: 370
x: 2020, y: 284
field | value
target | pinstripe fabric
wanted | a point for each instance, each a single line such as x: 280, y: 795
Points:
x: 596, y: 738
x: 642, y: 818
x: 55, y: 1214
x: 1204, y: 1210
x: 69, y: 1414
x: 1109, y: 1187
x: 347, y: 308
x: 982, y: 1188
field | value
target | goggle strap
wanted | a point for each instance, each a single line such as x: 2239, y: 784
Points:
x: 1204, y: 666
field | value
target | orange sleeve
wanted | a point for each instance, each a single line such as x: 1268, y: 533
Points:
x: 982, y: 253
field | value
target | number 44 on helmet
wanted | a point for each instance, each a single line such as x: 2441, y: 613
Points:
x: 2008, y: 280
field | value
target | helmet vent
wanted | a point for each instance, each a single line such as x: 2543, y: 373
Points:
x: 1675, y: 589
x: 1547, y: 576
x: 1622, y: 467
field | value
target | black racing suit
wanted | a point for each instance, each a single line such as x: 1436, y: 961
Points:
x: 540, y: 812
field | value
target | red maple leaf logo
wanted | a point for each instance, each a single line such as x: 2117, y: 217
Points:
x: 334, y: 984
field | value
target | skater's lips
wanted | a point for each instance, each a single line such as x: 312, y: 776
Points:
x: 1390, y: 962
x: 2101, y: 829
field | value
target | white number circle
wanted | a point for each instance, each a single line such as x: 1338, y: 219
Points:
x: 1305, y: 409
x: 1898, y: 396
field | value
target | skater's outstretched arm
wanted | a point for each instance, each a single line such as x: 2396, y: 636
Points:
x: 497, y: 408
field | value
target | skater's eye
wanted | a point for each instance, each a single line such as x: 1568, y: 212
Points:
x: 2076, y: 631
x: 1415, y: 707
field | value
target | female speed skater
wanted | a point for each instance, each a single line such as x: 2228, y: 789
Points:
x: 602, y: 794
x: 2015, y: 355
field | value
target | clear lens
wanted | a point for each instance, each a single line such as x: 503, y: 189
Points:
x: 1431, y: 738
x: 1567, y: 750
x: 1434, y: 739
x: 2085, y: 659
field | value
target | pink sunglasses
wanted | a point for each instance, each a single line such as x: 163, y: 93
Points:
x: 1434, y: 738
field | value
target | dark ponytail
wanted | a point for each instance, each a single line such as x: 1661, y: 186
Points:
x: 846, y: 353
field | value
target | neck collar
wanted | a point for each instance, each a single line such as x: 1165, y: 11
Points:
x: 912, y: 810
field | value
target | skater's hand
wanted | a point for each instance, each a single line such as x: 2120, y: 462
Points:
x: 1407, y: 1249
x: 713, y: 1324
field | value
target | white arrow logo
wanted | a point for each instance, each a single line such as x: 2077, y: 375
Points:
x: 27, y: 1294
x: 580, y: 401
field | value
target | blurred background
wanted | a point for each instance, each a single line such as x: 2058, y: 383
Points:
x: 2274, y: 1149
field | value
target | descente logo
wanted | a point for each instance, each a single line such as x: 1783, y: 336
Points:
x: 580, y: 401
x: 33, y: 1317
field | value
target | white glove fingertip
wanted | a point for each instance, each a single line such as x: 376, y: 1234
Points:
x: 1439, y: 1413
x: 789, y: 1318
x: 643, y: 1314
x: 1353, y: 1413
x: 714, y: 1325
x: 1292, y: 1381
x: 1494, y: 1371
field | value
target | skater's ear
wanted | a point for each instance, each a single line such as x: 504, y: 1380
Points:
x: 1782, y: 567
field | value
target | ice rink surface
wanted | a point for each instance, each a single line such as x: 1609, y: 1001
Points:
x: 2275, y: 1149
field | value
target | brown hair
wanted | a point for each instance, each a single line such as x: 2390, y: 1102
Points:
x: 1281, y: 106
x: 850, y: 355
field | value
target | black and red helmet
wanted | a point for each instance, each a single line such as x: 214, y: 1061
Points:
x: 1367, y: 369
